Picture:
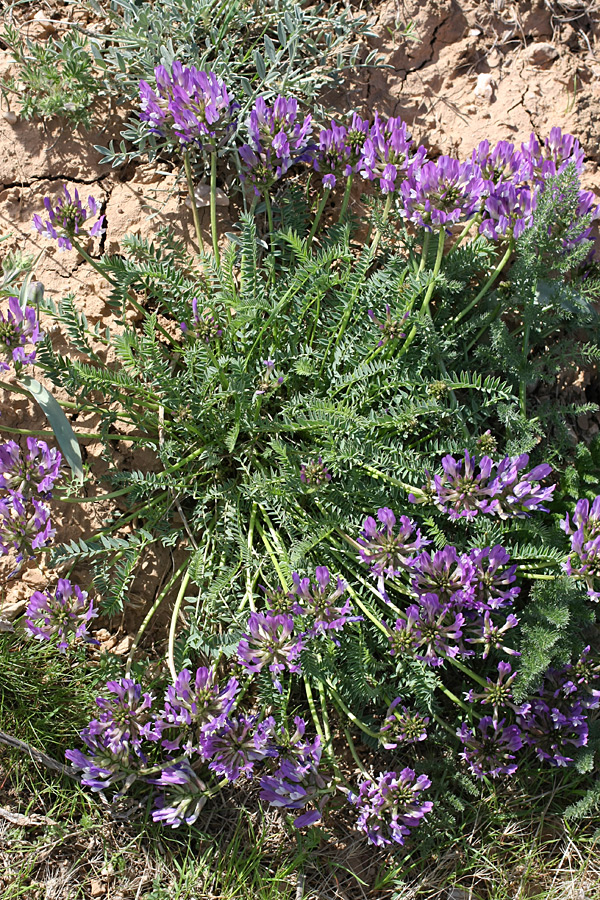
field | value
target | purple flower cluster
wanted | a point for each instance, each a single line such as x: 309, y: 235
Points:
x: 490, y: 747
x: 297, y: 782
x: 182, y: 795
x: 64, y: 614
x: 195, y: 706
x: 317, y: 602
x: 204, y: 325
x: 67, y: 218
x: 584, y: 558
x: 390, y: 328
x: 402, y: 726
x: 439, y: 194
x: 468, y: 487
x: 314, y: 473
x: 390, y: 805
x: 388, y: 554
x: 385, y: 154
x: 18, y: 328
x: 277, y: 139
x: 431, y: 632
x: 33, y: 472
x: 26, y: 478
x: 270, y: 641
x: 189, y: 105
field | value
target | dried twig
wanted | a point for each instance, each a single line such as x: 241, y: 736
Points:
x: 38, y: 756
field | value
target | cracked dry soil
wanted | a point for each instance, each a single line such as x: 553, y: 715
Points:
x: 468, y: 71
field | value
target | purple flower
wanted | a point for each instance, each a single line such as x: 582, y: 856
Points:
x: 204, y: 325
x: 192, y: 106
x: 314, y: 473
x: 516, y: 495
x: 439, y: 194
x: 25, y: 526
x: 385, y: 153
x: 584, y: 559
x: 102, y: 766
x: 508, y: 211
x: 66, y: 220
x: 294, y: 745
x: 402, y: 726
x: 277, y: 139
x: 540, y: 162
x: 296, y: 783
x: 316, y: 601
x: 462, y: 491
x: 438, y: 630
x: 124, y: 716
x: 182, y: 798
x: 197, y: 705
x: 445, y: 574
x: 490, y: 747
x: 552, y: 726
x: 489, y: 581
x: 499, y: 164
x: 270, y: 642
x: 64, y: 614
x: 241, y: 742
x: 498, y: 694
x: 32, y: 472
x: 17, y: 329
x: 579, y: 678
x: 389, y: 328
x: 390, y: 805
x: 388, y: 554
x: 333, y: 156
x: 491, y: 635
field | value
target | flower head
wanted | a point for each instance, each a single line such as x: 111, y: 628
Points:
x: 508, y: 211
x: 103, y: 765
x: 490, y: 581
x: 25, y: 525
x: 66, y: 220
x: 491, y: 635
x: 385, y: 153
x: 30, y: 472
x: 182, y: 797
x: 196, y: 705
x: 270, y: 642
x: 584, y: 558
x: 277, y: 139
x: 390, y: 805
x: 490, y: 747
x: 314, y: 473
x: 192, y: 106
x: 124, y: 716
x: 498, y: 694
x: 318, y: 602
x: 333, y: 156
x: 18, y: 328
x: 445, y: 574
x: 204, y: 325
x: 65, y: 614
x: 388, y: 554
x: 296, y: 783
x: 439, y: 194
x: 241, y: 742
x: 553, y: 726
x: 402, y: 726
x: 390, y: 328
x: 438, y: 630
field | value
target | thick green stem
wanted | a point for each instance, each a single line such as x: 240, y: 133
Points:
x: 384, y: 218
x: 354, y: 754
x: 213, y: 207
x: 424, y: 251
x: 523, y: 382
x: 346, y: 199
x: 313, y: 709
x: 190, y: 186
x: 149, y: 615
x: 427, y: 299
x: 269, y: 211
x: 486, y: 286
x: 315, y: 224
x: 172, y: 628
x: 81, y: 435
x: 92, y: 262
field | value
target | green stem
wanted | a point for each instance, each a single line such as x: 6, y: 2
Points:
x: 424, y: 251
x: 177, y: 606
x: 522, y: 382
x: 313, y: 709
x: 81, y: 435
x: 486, y: 286
x: 92, y: 262
x: 149, y: 615
x: 384, y: 218
x: 354, y: 754
x: 215, y: 363
x: 190, y: 185
x: 346, y: 199
x: 274, y: 559
x: 249, y: 595
x: 269, y: 211
x: 315, y: 224
x: 213, y: 207
x: 474, y: 221
x: 355, y: 721
x: 427, y: 299
x: 97, y: 499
